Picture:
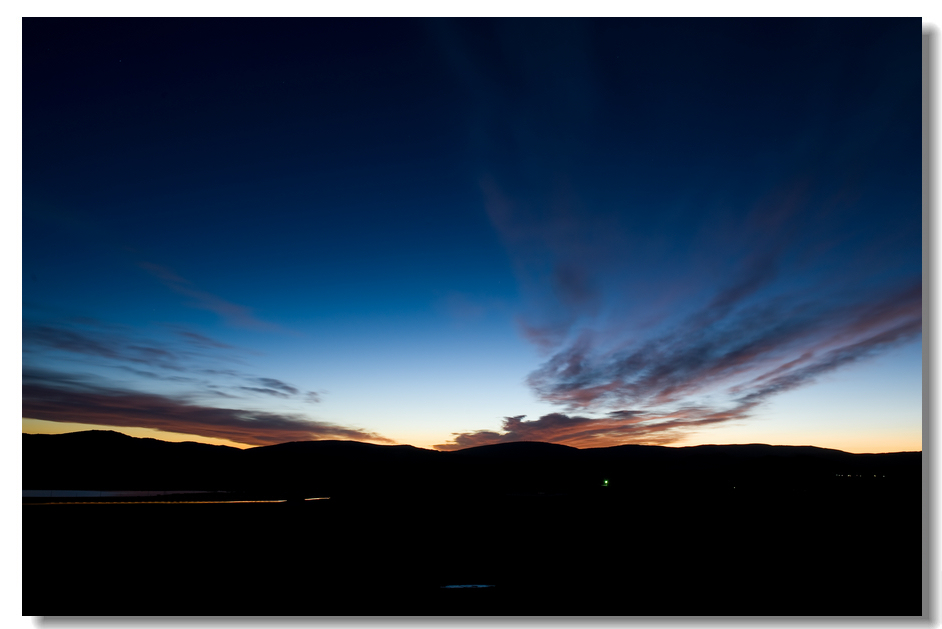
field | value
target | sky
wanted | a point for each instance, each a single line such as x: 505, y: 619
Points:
x: 449, y: 233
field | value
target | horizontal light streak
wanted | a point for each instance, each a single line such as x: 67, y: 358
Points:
x: 167, y: 502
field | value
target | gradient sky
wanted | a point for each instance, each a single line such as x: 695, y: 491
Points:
x: 456, y: 232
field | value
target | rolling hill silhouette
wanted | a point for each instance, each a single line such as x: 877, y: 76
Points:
x: 707, y: 530
x: 107, y: 460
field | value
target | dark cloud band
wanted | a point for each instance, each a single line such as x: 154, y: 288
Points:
x: 65, y: 399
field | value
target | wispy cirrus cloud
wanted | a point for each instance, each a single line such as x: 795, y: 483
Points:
x: 64, y: 398
x: 264, y: 391
x: 201, y: 340
x: 277, y: 388
x: 183, y: 359
x: 765, y: 343
x: 700, y: 284
x: 233, y: 314
x: 745, y: 364
x: 274, y: 383
x: 100, y: 343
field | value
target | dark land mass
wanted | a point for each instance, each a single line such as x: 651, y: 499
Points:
x: 622, y: 531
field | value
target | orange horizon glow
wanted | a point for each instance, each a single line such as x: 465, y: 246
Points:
x: 44, y: 427
x: 860, y: 446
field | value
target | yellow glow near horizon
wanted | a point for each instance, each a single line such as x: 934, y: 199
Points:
x: 891, y: 438
x: 865, y: 444
x: 43, y: 427
x: 888, y: 441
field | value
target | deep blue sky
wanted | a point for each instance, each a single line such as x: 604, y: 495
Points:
x: 418, y: 231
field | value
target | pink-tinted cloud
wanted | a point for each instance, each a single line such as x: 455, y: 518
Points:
x: 667, y: 273
x: 65, y: 399
x: 750, y: 344
x: 757, y: 350
x: 619, y: 427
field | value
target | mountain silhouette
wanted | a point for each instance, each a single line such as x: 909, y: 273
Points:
x: 629, y: 530
x: 108, y: 460
x: 520, y: 450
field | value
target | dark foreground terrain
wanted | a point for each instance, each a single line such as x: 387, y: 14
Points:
x: 708, y: 543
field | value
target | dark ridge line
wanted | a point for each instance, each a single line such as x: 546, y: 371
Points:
x: 490, y: 446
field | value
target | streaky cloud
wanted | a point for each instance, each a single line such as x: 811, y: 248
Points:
x: 746, y: 355
x: 63, y: 398
x: 169, y: 362
x: 775, y: 342
x: 271, y: 392
x: 587, y: 432
x: 201, y: 340
x: 39, y: 337
x: 233, y: 314
x: 694, y: 290
x: 277, y: 384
